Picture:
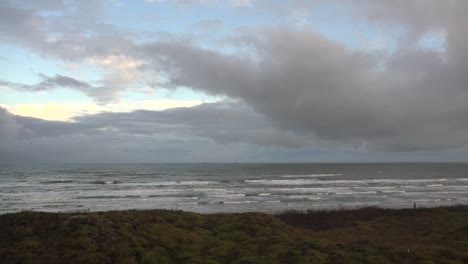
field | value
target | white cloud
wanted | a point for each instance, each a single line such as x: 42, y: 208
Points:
x: 241, y: 3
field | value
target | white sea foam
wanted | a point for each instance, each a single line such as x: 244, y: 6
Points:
x: 283, y: 182
x: 393, y: 191
x: 377, y: 188
x: 255, y: 181
x: 377, y: 181
x: 301, y: 197
x: 434, y: 185
x: 227, y: 195
x: 311, y: 190
x: 209, y: 189
x: 355, y: 193
x: 173, y: 183
x: 463, y: 187
x: 312, y: 175
x: 241, y: 202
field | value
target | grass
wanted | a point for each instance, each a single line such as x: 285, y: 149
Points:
x: 368, y: 235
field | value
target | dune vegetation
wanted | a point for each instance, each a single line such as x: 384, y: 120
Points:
x: 368, y: 235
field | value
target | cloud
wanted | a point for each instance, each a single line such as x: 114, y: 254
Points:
x: 49, y: 83
x: 100, y: 93
x: 237, y: 3
x: 53, y: 111
x: 180, y: 134
x: 61, y: 81
x: 302, y: 81
x: 75, y: 35
x: 208, y: 25
x: 215, y: 132
x: 295, y: 82
x: 241, y: 3
x: 9, y: 126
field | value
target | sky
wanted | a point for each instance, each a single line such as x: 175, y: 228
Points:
x: 233, y: 81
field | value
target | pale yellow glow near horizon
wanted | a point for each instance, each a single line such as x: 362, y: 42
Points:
x: 66, y: 111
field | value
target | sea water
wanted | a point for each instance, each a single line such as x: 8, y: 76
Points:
x: 233, y: 187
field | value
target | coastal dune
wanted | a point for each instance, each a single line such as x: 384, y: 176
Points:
x: 367, y: 235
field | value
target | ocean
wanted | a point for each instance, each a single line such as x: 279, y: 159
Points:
x: 233, y: 187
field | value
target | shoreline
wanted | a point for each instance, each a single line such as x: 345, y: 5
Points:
x: 338, y: 207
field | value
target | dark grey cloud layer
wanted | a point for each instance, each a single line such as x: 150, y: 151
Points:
x: 49, y: 83
x: 100, y: 93
x: 215, y: 131
x: 302, y: 81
